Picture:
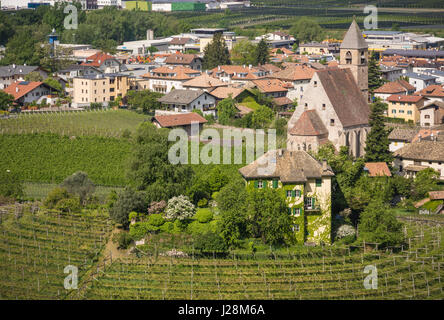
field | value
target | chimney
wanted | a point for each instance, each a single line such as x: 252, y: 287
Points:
x: 250, y: 66
x: 17, y: 89
x: 13, y: 66
x: 324, y: 165
x: 281, y: 152
x: 419, y: 138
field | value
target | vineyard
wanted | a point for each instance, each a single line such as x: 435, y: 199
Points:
x: 51, y: 158
x: 108, y: 123
x: 410, y: 272
x: 36, y: 246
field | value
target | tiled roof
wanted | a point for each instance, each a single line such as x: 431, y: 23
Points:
x: 353, y: 38
x: 397, y: 86
x: 346, y: 98
x: 204, y: 81
x: 179, y: 41
x: 269, y: 67
x: 224, y: 92
x: 296, y: 72
x: 21, y: 88
x: 404, y: 98
x: 426, y: 134
x: 12, y: 70
x: 243, y: 110
x: 181, y: 96
x: 234, y: 71
x: 434, y: 90
x: 424, y: 150
x: 173, y: 73
x: 270, y: 85
x: 182, y: 119
x: 282, y: 101
x: 309, y: 124
x: 180, y: 58
x: 287, y: 166
x: 96, y: 60
x: 403, y: 134
x: 376, y: 169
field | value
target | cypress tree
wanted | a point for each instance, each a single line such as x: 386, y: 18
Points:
x: 262, y: 55
x: 377, y: 144
x: 216, y: 53
x: 374, y: 74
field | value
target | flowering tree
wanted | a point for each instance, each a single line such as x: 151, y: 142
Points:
x: 156, y: 207
x: 179, y: 208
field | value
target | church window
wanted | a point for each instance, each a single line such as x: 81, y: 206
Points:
x: 348, y: 58
x: 332, y: 122
x: 323, y: 106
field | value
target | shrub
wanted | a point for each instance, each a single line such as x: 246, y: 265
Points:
x: 167, y: 227
x: 127, y: 201
x: 210, y: 242
x: 204, y: 215
x: 179, y: 208
x: 202, y: 203
x: 140, y: 229
x: 156, y: 220
x: 79, y: 184
x: 55, y: 196
x: 68, y: 205
x: 132, y: 215
x: 126, y: 134
x: 123, y: 240
x: 345, y: 230
x: 156, y: 207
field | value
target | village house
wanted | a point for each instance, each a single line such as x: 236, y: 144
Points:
x: 432, y: 114
x: 399, y: 87
x: 272, y: 88
x: 400, y: 136
x: 433, y: 92
x: 164, y: 79
x: 99, y: 89
x: 181, y: 120
x: 319, y: 48
x: 77, y: 70
x: 307, y: 186
x: 204, y: 82
x: 420, y: 81
x: 238, y: 74
x: 191, y: 61
x: 27, y: 92
x: 418, y: 156
x: 12, y: 73
x: 405, y: 107
x: 189, y: 100
x: 390, y: 73
x: 298, y: 76
x: 104, y: 62
x: 179, y: 44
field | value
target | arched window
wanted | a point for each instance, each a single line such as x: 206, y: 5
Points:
x: 363, y: 59
x: 348, y: 58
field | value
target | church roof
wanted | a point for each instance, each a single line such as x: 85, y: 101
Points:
x: 353, y: 38
x: 309, y: 124
x: 345, y: 96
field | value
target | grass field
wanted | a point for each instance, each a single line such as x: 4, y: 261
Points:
x: 109, y: 123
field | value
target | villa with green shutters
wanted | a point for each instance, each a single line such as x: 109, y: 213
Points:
x: 306, y: 183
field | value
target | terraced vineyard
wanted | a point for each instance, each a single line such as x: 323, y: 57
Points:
x: 411, y: 273
x: 36, y: 246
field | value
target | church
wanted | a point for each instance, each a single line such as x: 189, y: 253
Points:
x: 335, y: 105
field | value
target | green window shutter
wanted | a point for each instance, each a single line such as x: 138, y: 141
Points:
x: 256, y: 184
x: 289, y: 210
x: 275, y: 183
x: 313, y: 202
x: 264, y: 183
x: 298, y: 193
x: 294, y: 211
x: 293, y: 193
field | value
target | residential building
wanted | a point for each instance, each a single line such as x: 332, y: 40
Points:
x: 405, y: 107
x: 99, y: 89
x: 191, y: 61
x: 399, y: 137
x: 307, y: 187
x: 272, y: 88
x: 77, y: 70
x: 390, y: 73
x: 420, y: 81
x: 181, y: 120
x: 238, y: 74
x: 399, y: 87
x: 204, y: 82
x: 104, y: 62
x: 298, y: 76
x: 12, y: 73
x: 432, y: 114
x: 418, y: 156
x: 419, y: 54
x: 189, y: 100
x: 319, y: 48
x: 179, y: 44
x: 165, y: 79
x: 27, y: 92
x: 432, y: 92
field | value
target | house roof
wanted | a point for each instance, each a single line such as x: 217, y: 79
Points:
x: 353, y: 38
x: 270, y: 85
x: 376, y: 169
x: 434, y: 90
x: 21, y: 88
x: 426, y: 134
x: 179, y: 41
x: 224, y: 92
x: 287, y: 166
x: 403, y: 134
x: 424, y: 150
x: 436, y: 195
x: 346, y: 98
x: 404, y: 98
x: 396, y: 86
x: 269, y: 67
x: 12, y: 70
x: 419, y: 76
x: 204, y: 81
x: 182, y: 119
x: 309, y: 124
x: 181, y: 58
x: 96, y: 60
x: 173, y: 73
x: 282, y: 101
x: 180, y: 96
x: 295, y: 72
x: 234, y: 71
x: 433, y: 104
x: 243, y: 110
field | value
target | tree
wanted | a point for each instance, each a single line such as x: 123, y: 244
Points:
x: 243, y: 52
x: 374, y: 74
x: 216, y: 53
x: 426, y: 180
x: 10, y: 184
x: 268, y: 218
x: 226, y: 110
x: 179, y: 208
x: 210, y: 242
x: 127, y: 201
x: 379, y: 225
x: 106, y: 45
x: 145, y: 100
x: 34, y: 76
x: 262, y: 117
x: 150, y: 169
x: 307, y: 30
x: 79, y: 184
x: 261, y: 54
x: 377, y: 143
x: 53, y: 83
x: 6, y: 100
